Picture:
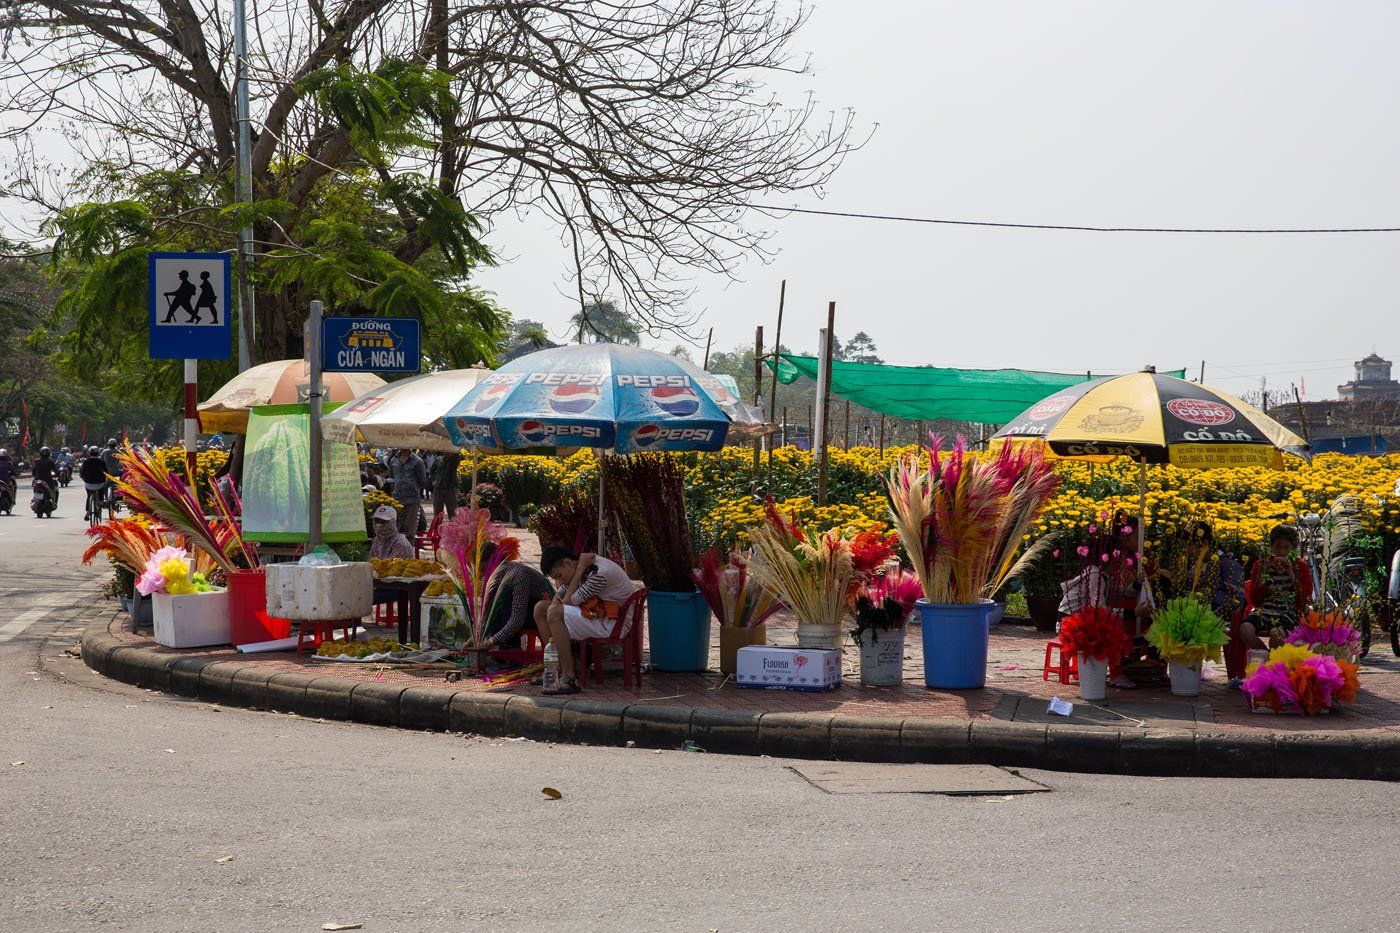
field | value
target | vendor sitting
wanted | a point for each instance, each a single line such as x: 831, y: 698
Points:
x: 591, y: 592
x: 512, y: 594
x: 1280, y: 586
x: 1195, y: 566
x: 389, y: 543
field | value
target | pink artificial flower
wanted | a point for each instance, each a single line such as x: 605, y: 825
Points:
x: 150, y: 582
x: 1127, y: 529
x: 151, y: 579
x: 1083, y: 550
x: 1103, y: 558
x: 1117, y: 553
x: 1093, y: 529
x: 1128, y: 562
x: 1055, y: 553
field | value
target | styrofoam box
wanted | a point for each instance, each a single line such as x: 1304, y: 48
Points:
x: 771, y: 668
x: 340, y: 591
x: 191, y: 620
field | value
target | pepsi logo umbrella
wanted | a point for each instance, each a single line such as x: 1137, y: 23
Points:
x: 600, y: 395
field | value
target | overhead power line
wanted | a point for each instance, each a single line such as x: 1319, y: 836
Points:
x: 859, y: 215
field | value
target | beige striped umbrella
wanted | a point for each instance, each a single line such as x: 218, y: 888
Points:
x: 281, y: 382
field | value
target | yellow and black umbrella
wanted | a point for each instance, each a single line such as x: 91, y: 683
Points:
x: 1153, y: 418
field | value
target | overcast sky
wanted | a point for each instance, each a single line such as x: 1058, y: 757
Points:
x: 1110, y: 113
x: 1186, y: 114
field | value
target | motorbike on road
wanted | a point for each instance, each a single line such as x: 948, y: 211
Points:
x: 43, y: 501
x: 7, y: 497
x: 65, y: 475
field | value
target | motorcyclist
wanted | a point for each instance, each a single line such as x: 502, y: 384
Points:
x: 93, y: 472
x: 65, y: 465
x: 46, y: 470
x: 7, y: 473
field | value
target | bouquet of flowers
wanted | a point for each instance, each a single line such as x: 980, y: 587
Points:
x: 963, y: 518
x: 884, y: 603
x: 168, y: 571
x: 814, y: 574
x: 1095, y: 632
x: 1295, y: 678
x: 731, y: 592
x: 1186, y: 631
x: 472, y: 548
x: 646, y: 499
x: 1328, y: 633
x: 152, y: 488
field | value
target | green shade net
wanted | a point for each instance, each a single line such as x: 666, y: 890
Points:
x: 982, y: 396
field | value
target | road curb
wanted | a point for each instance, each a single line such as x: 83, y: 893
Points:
x: 1363, y: 754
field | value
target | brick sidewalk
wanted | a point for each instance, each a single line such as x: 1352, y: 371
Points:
x: 1014, y: 687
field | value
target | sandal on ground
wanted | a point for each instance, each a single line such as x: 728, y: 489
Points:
x: 1122, y: 683
x: 565, y: 687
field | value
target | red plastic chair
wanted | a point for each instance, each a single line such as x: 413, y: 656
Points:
x: 1236, y: 652
x: 631, y: 643
x: 429, y: 539
x: 1067, y: 667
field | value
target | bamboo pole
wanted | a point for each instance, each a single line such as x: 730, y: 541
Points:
x: 824, y: 397
x: 757, y: 388
x: 882, y: 433
x: 773, y: 381
x: 846, y: 433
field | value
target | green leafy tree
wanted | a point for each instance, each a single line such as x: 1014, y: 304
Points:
x: 381, y: 130
x: 601, y: 321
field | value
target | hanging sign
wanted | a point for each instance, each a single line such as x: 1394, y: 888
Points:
x: 371, y: 345
x: 189, y: 302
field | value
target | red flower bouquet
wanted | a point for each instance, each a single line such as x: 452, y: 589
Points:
x: 1096, y: 633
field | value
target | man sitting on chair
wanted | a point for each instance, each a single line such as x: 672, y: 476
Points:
x: 590, y: 594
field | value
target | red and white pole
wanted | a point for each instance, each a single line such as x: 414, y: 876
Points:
x: 191, y: 417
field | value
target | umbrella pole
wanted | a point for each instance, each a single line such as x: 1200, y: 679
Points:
x: 474, y: 464
x: 602, y: 516
x: 1142, y: 509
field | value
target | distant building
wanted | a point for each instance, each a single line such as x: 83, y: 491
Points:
x: 1372, y: 382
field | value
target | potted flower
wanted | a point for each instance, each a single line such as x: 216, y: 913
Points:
x: 737, y: 601
x: 1187, y: 633
x: 1328, y: 633
x: 128, y: 543
x: 646, y: 500
x: 812, y: 573
x: 963, y: 519
x: 1296, y: 680
x: 188, y: 611
x: 153, y: 489
x: 882, y: 607
x: 1096, y: 635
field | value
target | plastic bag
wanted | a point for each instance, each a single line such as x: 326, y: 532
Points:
x: 322, y: 556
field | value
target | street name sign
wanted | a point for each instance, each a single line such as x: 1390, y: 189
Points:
x: 371, y: 345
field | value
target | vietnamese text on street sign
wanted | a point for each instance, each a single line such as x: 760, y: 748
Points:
x: 189, y: 306
x: 370, y: 344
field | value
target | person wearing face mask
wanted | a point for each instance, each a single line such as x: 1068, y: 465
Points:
x: 388, y: 543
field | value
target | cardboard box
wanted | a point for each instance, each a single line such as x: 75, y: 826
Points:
x: 768, y: 668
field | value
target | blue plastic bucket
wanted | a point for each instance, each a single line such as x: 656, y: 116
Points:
x: 678, y: 626
x: 955, y: 643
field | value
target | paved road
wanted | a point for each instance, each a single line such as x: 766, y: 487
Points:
x: 126, y: 802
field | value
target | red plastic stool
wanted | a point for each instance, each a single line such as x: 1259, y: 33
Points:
x: 386, y: 614
x: 1068, y: 666
x: 313, y: 632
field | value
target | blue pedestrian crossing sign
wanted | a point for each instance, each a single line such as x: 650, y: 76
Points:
x: 371, y: 345
x: 190, y: 308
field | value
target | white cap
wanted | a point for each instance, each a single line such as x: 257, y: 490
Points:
x: 386, y: 513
